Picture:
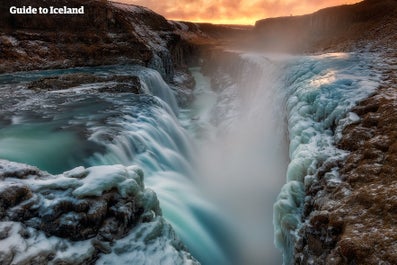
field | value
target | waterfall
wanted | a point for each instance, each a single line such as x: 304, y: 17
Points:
x: 254, y: 150
x: 154, y: 84
x: 113, y: 129
x: 243, y: 158
x: 150, y: 136
x: 219, y: 167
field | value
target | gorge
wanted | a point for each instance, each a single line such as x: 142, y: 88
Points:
x: 129, y: 139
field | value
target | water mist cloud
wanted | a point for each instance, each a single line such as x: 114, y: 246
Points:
x: 242, y: 166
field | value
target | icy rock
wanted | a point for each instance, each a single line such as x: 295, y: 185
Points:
x: 112, y: 84
x: 352, y: 222
x: 77, y: 208
x: 53, y: 219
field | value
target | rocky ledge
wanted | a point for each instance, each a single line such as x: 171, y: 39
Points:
x: 108, y: 33
x: 113, y: 84
x: 83, y: 216
x: 355, y: 222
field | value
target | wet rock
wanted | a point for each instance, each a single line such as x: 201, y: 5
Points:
x: 101, y: 246
x: 75, y: 219
x: 111, y: 84
x: 14, y: 194
x: 108, y: 33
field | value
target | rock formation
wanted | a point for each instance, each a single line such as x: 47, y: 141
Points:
x: 114, y: 84
x: 108, y: 33
x: 341, y: 28
x: 354, y: 222
x: 82, y: 216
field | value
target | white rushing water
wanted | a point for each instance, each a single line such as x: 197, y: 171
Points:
x: 218, y: 167
x: 241, y: 155
x: 113, y: 129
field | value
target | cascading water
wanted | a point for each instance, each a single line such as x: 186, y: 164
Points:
x: 127, y: 129
x: 245, y: 155
x: 234, y: 159
x: 152, y: 138
x: 243, y: 152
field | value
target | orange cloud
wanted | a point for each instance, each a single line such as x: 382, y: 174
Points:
x: 234, y: 11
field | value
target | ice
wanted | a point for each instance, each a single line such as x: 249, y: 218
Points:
x: 149, y: 243
x: 57, y: 202
x: 321, y: 90
x: 104, y: 178
x: 24, y: 244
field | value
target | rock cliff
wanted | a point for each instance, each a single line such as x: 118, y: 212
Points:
x: 108, y: 33
x: 341, y: 28
x: 354, y: 222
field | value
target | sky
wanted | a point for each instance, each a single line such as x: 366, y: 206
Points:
x: 233, y: 11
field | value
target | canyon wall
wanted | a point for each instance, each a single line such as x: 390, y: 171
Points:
x: 369, y: 24
x: 108, y: 33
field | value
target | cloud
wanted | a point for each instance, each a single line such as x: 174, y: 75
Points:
x: 234, y: 11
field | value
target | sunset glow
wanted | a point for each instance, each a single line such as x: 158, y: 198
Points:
x: 234, y: 11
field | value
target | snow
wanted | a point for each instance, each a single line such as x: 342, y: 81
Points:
x: 105, y: 178
x: 149, y: 243
x: 131, y: 8
x: 19, y: 248
x: 321, y: 90
x: 152, y: 241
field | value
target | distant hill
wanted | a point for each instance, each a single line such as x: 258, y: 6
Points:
x: 371, y: 24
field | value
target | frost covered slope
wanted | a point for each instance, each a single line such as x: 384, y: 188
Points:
x: 108, y: 33
x: 354, y: 222
x: 83, y: 216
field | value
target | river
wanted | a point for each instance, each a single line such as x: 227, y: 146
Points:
x: 229, y: 170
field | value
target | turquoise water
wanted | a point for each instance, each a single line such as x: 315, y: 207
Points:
x: 52, y: 151
x: 218, y: 166
x: 57, y: 131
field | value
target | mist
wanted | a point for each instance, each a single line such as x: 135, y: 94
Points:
x: 242, y: 163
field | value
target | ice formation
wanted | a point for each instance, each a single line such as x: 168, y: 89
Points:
x: 84, y: 215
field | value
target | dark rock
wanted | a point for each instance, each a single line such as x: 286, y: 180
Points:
x: 4, y: 233
x: 101, y: 246
x: 6, y: 258
x: 13, y: 194
x: 111, y: 84
x: 81, y: 40
x: 368, y: 24
x: 110, y: 215
x: 357, y: 227
x: 107, y: 33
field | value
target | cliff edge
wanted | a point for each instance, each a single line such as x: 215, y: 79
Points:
x: 107, y: 33
x: 369, y: 25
